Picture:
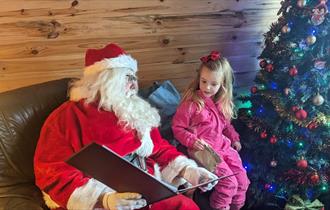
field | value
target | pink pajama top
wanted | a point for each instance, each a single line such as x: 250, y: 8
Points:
x: 209, y: 124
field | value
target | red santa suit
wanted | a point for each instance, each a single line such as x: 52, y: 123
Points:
x: 76, y: 124
x: 96, y: 113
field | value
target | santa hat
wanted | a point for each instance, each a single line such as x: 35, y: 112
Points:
x: 110, y: 57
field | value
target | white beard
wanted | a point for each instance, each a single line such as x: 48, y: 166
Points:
x: 135, y: 113
x: 132, y: 111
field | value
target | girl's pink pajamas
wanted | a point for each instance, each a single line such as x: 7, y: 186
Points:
x: 210, y: 125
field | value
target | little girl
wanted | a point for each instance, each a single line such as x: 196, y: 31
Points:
x: 203, y: 117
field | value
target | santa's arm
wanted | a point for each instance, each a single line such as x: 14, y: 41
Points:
x: 62, y: 185
x: 171, y: 161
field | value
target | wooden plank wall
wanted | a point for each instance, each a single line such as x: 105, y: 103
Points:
x: 42, y: 40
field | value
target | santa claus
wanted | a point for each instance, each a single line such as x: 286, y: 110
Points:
x: 104, y: 108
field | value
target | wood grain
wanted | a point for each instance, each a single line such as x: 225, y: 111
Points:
x: 43, y: 40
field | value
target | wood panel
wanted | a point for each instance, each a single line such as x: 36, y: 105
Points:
x: 43, y: 40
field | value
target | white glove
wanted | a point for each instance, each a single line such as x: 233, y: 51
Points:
x: 198, y: 175
x: 123, y: 201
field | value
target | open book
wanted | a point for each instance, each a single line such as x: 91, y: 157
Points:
x: 121, y: 175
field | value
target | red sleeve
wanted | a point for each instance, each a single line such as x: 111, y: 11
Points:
x: 53, y: 175
x: 163, y: 152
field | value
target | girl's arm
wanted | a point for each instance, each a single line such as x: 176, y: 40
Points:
x: 230, y: 132
x: 181, y: 123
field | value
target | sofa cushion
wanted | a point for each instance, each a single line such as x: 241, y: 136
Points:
x: 22, y: 113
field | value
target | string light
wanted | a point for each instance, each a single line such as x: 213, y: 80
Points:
x: 301, y: 54
x: 289, y: 128
x: 262, y: 87
x: 310, y: 193
x: 273, y: 85
x: 324, y: 187
x: 289, y: 143
x: 312, y: 31
x: 270, y: 187
x: 260, y: 109
x: 301, y: 145
x: 247, y: 166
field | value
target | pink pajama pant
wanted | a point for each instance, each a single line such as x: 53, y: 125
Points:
x: 230, y: 191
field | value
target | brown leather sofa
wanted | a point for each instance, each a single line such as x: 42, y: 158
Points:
x: 22, y: 113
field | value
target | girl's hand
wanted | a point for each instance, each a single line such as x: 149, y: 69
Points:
x: 199, y: 144
x: 237, y: 146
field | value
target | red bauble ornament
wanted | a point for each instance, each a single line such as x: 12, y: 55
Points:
x: 315, y: 178
x: 269, y: 67
x: 301, y: 114
x: 302, y: 164
x: 263, y: 63
x: 273, y: 139
x: 254, y: 89
x: 293, y: 71
x: 263, y: 135
x: 294, y: 108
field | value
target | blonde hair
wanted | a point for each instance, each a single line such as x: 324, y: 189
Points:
x: 224, y: 96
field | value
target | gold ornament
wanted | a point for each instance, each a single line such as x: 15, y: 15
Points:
x: 318, y: 100
x: 286, y: 29
x: 320, y: 119
x: 311, y: 39
x: 286, y: 91
x: 301, y: 3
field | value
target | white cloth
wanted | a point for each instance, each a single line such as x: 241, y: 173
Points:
x: 197, y: 175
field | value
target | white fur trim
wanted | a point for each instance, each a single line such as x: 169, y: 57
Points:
x: 86, y: 196
x: 49, y: 201
x: 122, y: 61
x: 157, y: 173
x: 146, y: 145
x: 172, y: 170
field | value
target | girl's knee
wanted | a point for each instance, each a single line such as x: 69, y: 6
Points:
x: 233, y: 183
x: 243, y: 181
x: 228, y: 185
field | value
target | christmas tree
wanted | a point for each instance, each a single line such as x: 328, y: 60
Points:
x: 288, y: 113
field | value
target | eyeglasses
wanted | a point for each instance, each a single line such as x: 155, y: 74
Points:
x: 131, y: 78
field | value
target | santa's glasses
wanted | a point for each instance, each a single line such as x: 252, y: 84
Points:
x: 131, y: 78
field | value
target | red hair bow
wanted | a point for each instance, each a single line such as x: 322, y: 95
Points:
x: 213, y: 56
